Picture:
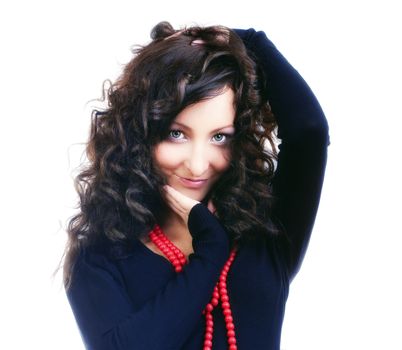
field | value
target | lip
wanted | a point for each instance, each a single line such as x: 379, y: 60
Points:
x: 190, y: 183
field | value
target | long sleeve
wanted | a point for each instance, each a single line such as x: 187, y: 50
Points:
x: 108, y: 319
x: 303, y: 130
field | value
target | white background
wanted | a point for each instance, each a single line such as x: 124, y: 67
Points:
x: 54, y: 58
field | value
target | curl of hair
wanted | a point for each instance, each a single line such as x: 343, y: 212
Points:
x: 119, y: 189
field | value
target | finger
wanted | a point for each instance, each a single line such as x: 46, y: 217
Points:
x: 179, y: 200
x: 172, y: 200
x: 197, y: 42
x: 179, y: 203
x: 184, y: 201
x: 174, y: 34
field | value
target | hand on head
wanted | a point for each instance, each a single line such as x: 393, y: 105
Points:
x: 221, y: 37
x: 194, y: 42
x: 174, y: 34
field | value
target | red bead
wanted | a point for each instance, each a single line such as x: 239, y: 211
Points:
x: 209, y: 329
x: 210, y: 323
x: 224, y: 298
x: 232, y: 340
x: 233, y: 347
x: 206, y: 348
x: 209, y: 307
x: 227, y: 312
x: 207, y: 343
x: 229, y: 326
x: 208, y: 336
x: 228, y: 319
x: 230, y: 333
x: 178, y: 268
x: 225, y: 305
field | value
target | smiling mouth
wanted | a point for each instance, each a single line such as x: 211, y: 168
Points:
x: 190, y: 183
x: 194, y: 180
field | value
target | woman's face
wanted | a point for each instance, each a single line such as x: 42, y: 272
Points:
x: 197, y: 150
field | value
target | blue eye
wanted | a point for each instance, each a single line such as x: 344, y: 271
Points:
x: 220, y: 138
x: 175, y: 134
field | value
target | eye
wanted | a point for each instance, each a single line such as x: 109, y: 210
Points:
x: 176, y: 134
x: 221, y: 138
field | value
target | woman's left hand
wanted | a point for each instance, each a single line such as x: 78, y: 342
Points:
x: 179, y: 203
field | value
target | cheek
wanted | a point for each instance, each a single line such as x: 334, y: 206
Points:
x: 222, y: 160
x: 165, y: 157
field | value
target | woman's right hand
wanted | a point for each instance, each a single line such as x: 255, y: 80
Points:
x: 182, y: 204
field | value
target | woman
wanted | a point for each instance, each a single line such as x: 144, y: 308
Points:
x: 191, y: 225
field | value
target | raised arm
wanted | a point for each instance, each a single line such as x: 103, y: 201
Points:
x: 107, y: 318
x: 303, y: 130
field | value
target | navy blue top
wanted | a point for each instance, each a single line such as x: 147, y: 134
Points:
x: 138, y: 301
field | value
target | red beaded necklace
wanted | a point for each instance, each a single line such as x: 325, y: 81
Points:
x: 177, y: 258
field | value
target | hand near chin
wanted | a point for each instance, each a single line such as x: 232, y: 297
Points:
x: 182, y: 204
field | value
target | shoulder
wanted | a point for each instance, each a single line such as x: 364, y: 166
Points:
x: 97, y: 262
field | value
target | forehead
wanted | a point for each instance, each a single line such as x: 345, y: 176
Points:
x: 213, y: 113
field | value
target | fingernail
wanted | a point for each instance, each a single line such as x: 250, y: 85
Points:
x: 197, y: 42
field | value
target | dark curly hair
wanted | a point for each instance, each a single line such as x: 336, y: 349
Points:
x: 119, y: 187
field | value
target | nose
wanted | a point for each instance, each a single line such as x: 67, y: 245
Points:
x: 197, y: 161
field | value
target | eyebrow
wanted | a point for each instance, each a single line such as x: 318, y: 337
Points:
x: 213, y: 131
